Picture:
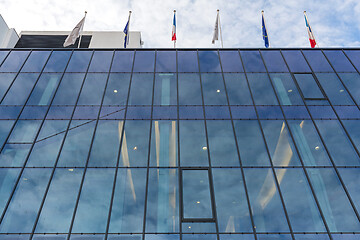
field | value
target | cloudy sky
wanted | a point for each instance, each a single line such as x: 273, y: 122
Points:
x: 335, y: 22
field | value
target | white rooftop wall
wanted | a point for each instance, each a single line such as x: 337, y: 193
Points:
x: 8, y: 36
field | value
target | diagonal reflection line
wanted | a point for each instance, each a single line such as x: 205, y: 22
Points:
x: 79, y: 125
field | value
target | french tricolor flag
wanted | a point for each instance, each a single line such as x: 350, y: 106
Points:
x: 310, y: 32
x: 173, y: 34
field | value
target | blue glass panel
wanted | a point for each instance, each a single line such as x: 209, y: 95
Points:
x: 274, y: 237
x: 311, y: 237
x: 269, y: 112
x: 144, y: 61
x: 5, y: 81
x: 127, y: 214
x: 209, y: 61
x: 231, y: 204
x: 69, y: 88
x: 8, y: 177
x: 95, y: 195
x: 308, y: 142
x: 251, y: 144
x: 51, y: 128
x: 347, y: 112
x: 25, y: 131
x: 20, y: 89
x: 199, y: 237
x: 323, y: 102
x: 335, y: 205
x: 352, y: 82
x: 274, y: 61
x: 135, y: 144
x: 84, y: 112
x: 101, y: 61
x: 296, y: 112
x: 56, y: 112
x: 317, y: 61
x: 308, y: 86
x: 193, y: 147
x: 237, y: 89
x: 165, y: 61
x: 198, y: 227
x: 44, y: 89
x: 79, y: 61
x: 15, y: 237
x: 189, y: 89
x: 187, y: 61
x: 105, y: 148
x: 213, y: 89
x: 49, y: 236
x: 236, y: 236
x: 252, y: 61
x: 87, y: 237
x: 60, y: 201
x: 93, y: 89
x: 165, y: 112
x: 353, y: 129
x: 220, y: 112
x: 138, y: 113
x: 243, y: 112
x: 3, y: 54
x: 286, y: 89
x: 5, y: 128
x: 296, y: 61
x: 161, y: 237
x: 337, y: 143
x: 339, y: 61
x: 123, y: 61
x: 345, y: 236
x: 322, y: 112
x: 9, y: 112
x: 36, y: 61
x: 281, y: 147
x: 14, y: 155
x: 261, y: 88
x: 162, y: 214
x: 141, y: 89
x: 230, y: 61
x: 137, y: 237
x: 14, y: 61
x: 351, y: 179
x: 112, y: 112
x: 266, y: 207
x: 165, y: 92
x: 191, y: 113
x: 33, y: 112
x: 354, y: 56
x: 117, y: 89
x: 57, y: 61
x: 22, y: 211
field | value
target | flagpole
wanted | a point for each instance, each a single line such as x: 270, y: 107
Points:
x: 262, y: 12
x: 174, y: 40
x: 128, y: 35
x: 222, y: 43
x: 312, y: 30
x: 81, y: 31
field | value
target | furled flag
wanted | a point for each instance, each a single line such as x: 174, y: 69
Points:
x: 173, y: 33
x: 216, y: 29
x: 75, y: 33
x: 126, y: 31
x: 264, y: 32
x: 310, y: 32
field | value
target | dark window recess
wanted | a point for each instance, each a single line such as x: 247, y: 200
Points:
x: 50, y: 41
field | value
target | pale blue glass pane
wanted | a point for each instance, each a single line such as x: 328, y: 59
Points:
x: 163, y: 152
x: 15, y: 237
x: 187, y: 61
x: 49, y: 237
x: 286, y: 89
x: 5, y: 81
x: 36, y: 61
x: 335, y: 205
x: 274, y: 237
x: 251, y: 144
x: 79, y: 61
x: 25, y: 131
x: 236, y: 237
x: 274, y: 61
x: 8, y: 177
x: 193, y: 147
x: 231, y: 204
x: 57, y: 61
x: 265, y: 202
x: 252, y: 61
x: 87, y: 237
x: 20, y: 90
x: 261, y: 88
x: 230, y: 61
x: 165, y: 61
x: 347, y: 236
x: 351, y: 179
x: 14, y: 155
x: 213, y: 89
x: 308, y: 86
x: 339, y: 61
x: 237, y: 89
x: 105, y: 148
x: 209, y: 61
x: 300, y: 204
x: 5, y: 128
x: 133, y: 237
x: 14, y: 61
x: 123, y: 61
x: 196, y: 194
x: 22, y: 211
x: 165, y: 92
x: 222, y: 143
x: 160, y: 237
x: 308, y: 142
x: 60, y: 201
x: 44, y: 89
x: 311, y: 237
x: 189, y: 89
x: 337, y: 143
x: 117, y: 89
x: 353, y: 129
x: 76, y: 146
x: 199, y: 237
x: 135, y: 144
x: 354, y: 56
x: 51, y: 128
x: 317, y: 61
x: 95, y: 196
x: 141, y: 89
x: 296, y: 61
x: 352, y: 82
x: 280, y: 144
x: 198, y: 227
x: 3, y: 54
x: 69, y: 88
x: 129, y: 200
x: 93, y: 89
x: 101, y: 61
x: 144, y: 61
x: 334, y: 89
x: 162, y: 214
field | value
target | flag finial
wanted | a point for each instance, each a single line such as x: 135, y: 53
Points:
x: 174, y: 10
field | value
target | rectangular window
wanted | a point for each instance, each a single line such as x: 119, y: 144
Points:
x: 58, y: 61
x: 36, y: 61
x: 309, y: 87
x: 274, y: 61
x: 252, y: 61
x: 141, y: 89
x: 93, y: 89
x: 237, y: 89
x: 187, y: 61
x: 213, y: 89
x: 101, y: 61
x: 261, y: 88
x: 189, y: 89
x: 296, y: 61
x: 286, y: 89
x: 123, y: 61
x: 165, y: 92
x: 44, y: 89
x: 69, y: 88
x: 14, y: 61
x: 165, y: 61
x: 230, y: 61
x: 144, y: 61
x: 209, y: 61
x: 79, y: 61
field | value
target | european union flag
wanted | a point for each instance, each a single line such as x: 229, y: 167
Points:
x: 264, y: 32
x: 126, y: 30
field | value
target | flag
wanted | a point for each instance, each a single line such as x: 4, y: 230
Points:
x: 216, y: 29
x: 310, y: 32
x: 126, y: 32
x: 75, y: 33
x: 173, y: 33
x: 264, y: 32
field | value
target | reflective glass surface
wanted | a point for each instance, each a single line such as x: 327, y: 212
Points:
x: 252, y: 61
x: 261, y: 89
x: 237, y: 89
x: 230, y: 61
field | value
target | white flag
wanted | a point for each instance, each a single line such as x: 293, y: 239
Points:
x: 216, y: 29
x: 75, y: 33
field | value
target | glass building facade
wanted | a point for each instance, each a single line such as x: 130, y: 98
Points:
x: 191, y: 144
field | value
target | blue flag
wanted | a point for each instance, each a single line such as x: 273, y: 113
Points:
x: 264, y: 32
x: 126, y: 29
